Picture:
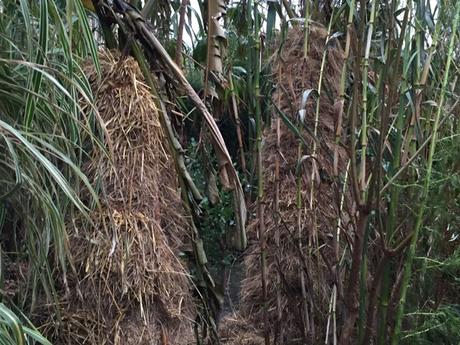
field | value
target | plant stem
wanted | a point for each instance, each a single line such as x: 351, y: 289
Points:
x: 306, y: 28
x: 238, y: 124
x: 203, y: 275
x: 260, y: 178
x: 367, y: 50
x: 419, y: 221
x: 305, y: 312
x: 314, y: 172
x: 289, y: 10
x: 394, y: 197
x: 180, y: 33
x: 279, y: 329
x: 341, y: 100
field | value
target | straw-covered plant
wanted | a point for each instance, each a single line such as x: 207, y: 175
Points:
x: 341, y: 118
x: 366, y: 210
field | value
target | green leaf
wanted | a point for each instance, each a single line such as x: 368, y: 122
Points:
x: 13, y: 323
x: 293, y: 128
x: 88, y: 35
x: 40, y: 59
x: 54, y: 172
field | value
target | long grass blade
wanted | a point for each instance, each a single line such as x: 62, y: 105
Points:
x: 40, y: 59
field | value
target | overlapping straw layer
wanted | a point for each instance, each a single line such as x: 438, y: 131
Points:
x: 318, y: 220
x: 130, y: 286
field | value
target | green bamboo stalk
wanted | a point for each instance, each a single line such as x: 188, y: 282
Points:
x: 271, y: 19
x: 363, y: 287
x: 351, y: 295
x: 410, y: 142
x: 332, y: 313
x: 387, y: 94
x: 394, y: 195
x: 343, y: 78
x: 338, y: 133
x: 421, y: 212
x: 260, y: 176
x: 315, y: 132
x: 388, y: 91
x: 364, y: 140
x: 300, y: 159
x: 306, y: 28
x: 279, y: 332
x: 249, y: 80
x: 314, y: 240
x: 238, y: 123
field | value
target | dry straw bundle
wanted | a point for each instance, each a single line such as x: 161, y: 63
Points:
x: 131, y: 287
x: 286, y: 257
x: 239, y: 330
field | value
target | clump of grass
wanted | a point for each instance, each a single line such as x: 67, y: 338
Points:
x: 45, y: 137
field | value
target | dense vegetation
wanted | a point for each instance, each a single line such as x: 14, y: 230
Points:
x: 347, y: 227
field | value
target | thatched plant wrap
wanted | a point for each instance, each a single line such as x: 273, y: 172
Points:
x: 293, y: 76
x: 131, y: 286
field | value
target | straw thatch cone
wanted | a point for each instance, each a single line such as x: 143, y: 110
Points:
x: 317, y: 224
x: 131, y: 287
